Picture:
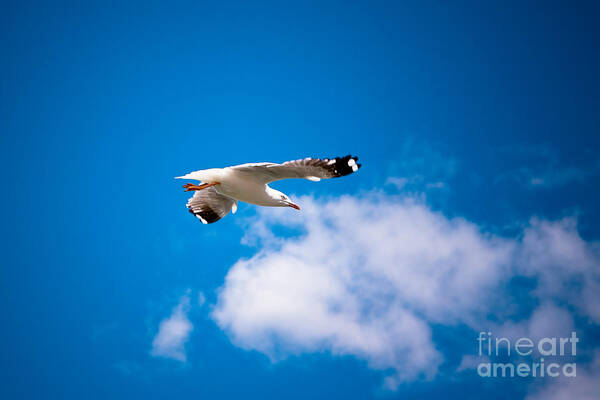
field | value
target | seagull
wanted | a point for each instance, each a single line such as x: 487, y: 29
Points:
x: 222, y: 188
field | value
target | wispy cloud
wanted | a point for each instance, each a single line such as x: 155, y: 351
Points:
x: 549, y: 176
x: 421, y: 166
x: 542, y: 167
x: 371, y: 276
x: 174, y: 332
x: 412, y: 182
x: 126, y: 367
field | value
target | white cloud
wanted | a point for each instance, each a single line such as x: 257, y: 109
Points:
x: 470, y: 362
x: 369, y: 277
x: 174, y: 332
x: 585, y: 386
x: 565, y: 265
x: 547, y: 320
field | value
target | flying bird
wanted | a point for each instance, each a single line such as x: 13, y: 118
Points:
x: 222, y: 188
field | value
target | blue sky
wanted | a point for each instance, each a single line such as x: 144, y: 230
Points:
x: 482, y: 112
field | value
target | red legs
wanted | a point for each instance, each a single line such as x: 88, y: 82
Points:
x: 190, y: 186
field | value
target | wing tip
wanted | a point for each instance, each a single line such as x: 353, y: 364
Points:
x: 343, y: 166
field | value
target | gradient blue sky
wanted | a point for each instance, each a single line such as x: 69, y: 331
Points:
x: 103, y: 104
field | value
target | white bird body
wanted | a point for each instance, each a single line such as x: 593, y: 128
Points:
x: 223, y: 187
x: 247, y: 187
x: 238, y: 184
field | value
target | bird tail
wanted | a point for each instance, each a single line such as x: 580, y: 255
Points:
x: 204, y: 175
x: 191, y: 175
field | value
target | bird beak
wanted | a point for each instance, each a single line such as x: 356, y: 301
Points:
x: 296, y: 206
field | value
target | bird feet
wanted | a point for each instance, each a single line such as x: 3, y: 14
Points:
x: 190, y: 186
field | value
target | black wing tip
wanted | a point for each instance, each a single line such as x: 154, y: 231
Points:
x: 206, y: 215
x: 345, y: 165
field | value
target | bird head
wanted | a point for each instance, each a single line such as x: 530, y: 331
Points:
x: 284, y: 201
x: 278, y: 199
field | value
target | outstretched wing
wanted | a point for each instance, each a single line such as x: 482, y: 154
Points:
x: 313, y: 169
x: 210, y: 206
